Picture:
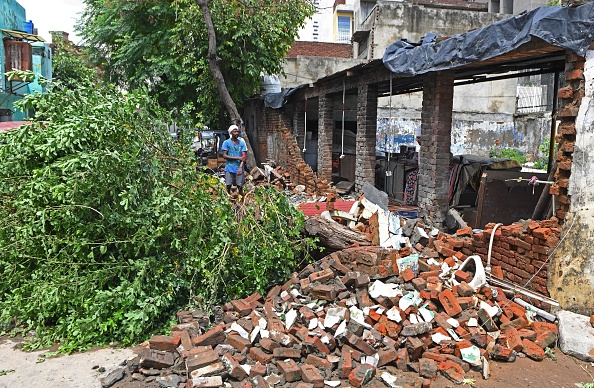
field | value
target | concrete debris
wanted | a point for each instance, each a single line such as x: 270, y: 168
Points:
x: 354, y: 317
x: 576, y: 335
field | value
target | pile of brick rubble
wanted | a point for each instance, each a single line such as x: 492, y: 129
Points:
x: 364, y: 316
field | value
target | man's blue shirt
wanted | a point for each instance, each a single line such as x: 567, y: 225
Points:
x: 233, y: 150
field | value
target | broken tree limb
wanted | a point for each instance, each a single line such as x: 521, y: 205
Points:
x: 333, y: 235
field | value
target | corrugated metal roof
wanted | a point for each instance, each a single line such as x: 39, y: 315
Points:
x: 23, y: 35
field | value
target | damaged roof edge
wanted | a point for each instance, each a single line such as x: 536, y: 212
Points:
x: 565, y: 27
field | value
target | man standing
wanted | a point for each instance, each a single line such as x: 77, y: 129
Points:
x: 234, y: 152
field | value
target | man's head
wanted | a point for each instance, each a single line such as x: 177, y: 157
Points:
x: 234, y: 131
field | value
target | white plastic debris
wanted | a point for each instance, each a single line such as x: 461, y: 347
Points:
x: 394, y: 315
x: 453, y: 334
x: 290, y: 318
x: 411, y: 261
x: 334, y: 315
x: 371, y: 360
x: 387, y: 290
x: 414, y: 319
x: 472, y: 322
x: 246, y: 367
x: 453, y: 322
x: 438, y: 337
x: 491, y: 310
x: 358, y: 316
x: 471, y: 355
x: 427, y: 315
x: 312, y: 324
x: 412, y: 298
x: 390, y: 380
x: 332, y: 383
x: 264, y: 333
x: 342, y: 328
x: 240, y: 330
x: 254, y: 334
x: 432, y: 262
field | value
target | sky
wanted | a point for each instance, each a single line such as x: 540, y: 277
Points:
x: 53, y: 15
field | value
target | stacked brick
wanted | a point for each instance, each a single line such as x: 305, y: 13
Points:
x: 320, y: 49
x: 287, y: 152
x: 571, y: 96
x: 354, y: 319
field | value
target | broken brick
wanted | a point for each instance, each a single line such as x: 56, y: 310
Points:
x: 290, y: 370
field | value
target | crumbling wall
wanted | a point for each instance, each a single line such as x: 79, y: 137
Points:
x: 571, y: 277
x: 277, y: 143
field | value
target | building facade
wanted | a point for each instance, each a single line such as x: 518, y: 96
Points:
x: 21, y: 49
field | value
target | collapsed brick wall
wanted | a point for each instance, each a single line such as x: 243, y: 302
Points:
x: 522, y: 251
x: 276, y: 142
x: 571, y: 96
x: 320, y: 49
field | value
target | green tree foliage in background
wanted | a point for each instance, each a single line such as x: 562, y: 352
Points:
x: 108, y: 229
x: 163, y: 45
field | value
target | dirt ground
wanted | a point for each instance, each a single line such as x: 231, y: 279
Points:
x: 74, y: 371
x: 33, y: 369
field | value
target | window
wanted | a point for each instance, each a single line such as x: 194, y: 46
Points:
x: 344, y: 29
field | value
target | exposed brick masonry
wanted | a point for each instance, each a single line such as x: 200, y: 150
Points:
x: 366, y: 130
x: 436, y: 124
x: 571, y: 96
x: 287, y: 153
x: 325, y: 129
x: 320, y: 49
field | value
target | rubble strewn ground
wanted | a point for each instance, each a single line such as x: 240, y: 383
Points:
x: 354, y: 318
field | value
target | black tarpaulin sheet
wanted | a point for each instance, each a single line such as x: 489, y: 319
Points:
x: 568, y: 28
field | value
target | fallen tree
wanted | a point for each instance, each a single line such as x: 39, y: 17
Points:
x: 334, y: 235
x: 108, y: 229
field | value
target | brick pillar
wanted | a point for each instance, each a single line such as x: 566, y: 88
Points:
x: 325, y: 128
x: 571, y: 95
x: 299, y: 123
x: 366, y: 130
x: 434, y: 161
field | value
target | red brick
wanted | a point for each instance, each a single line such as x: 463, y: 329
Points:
x: 260, y: 356
x: 407, y: 275
x: 428, y: 368
x: 321, y: 276
x: 238, y: 342
x: 345, y: 364
x: 156, y: 359
x: 318, y: 362
x: 513, y: 339
x: 258, y: 370
x: 201, y: 359
x: 290, y: 370
x: 532, y: 350
x: 213, y: 337
x: 361, y: 375
x: 233, y: 367
x: 241, y: 307
x: 452, y: 371
x: 310, y: 374
x: 387, y: 356
x: 449, y: 303
x: 281, y: 352
x: 165, y: 343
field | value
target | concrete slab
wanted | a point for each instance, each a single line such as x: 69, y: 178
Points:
x: 576, y: 335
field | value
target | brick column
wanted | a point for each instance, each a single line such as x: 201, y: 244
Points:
x: 325, y: 128
x: 434, y: 160
x: 299, y: 123
x: 366, y: 130
x: 571, y: 95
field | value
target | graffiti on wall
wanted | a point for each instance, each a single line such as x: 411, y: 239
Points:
x: 395, y: 132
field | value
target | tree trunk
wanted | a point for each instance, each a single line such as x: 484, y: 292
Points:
x: 213, y: 62
x: 333, y: 235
